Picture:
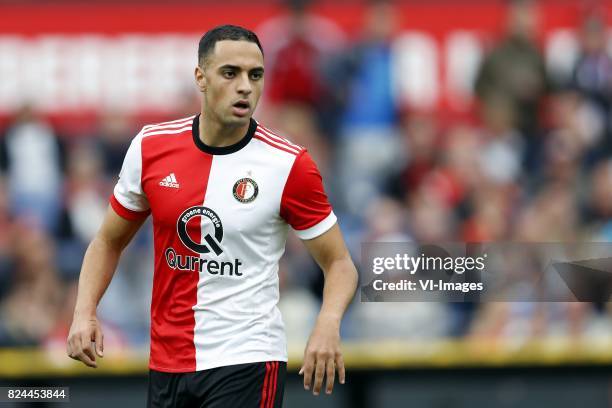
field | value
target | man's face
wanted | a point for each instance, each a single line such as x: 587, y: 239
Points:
x: 523, y: 19
x: 232, y: 81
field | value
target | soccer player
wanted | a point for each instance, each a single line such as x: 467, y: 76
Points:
x: 222, y: 190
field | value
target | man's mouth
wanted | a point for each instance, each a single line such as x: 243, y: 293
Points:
x: 241, y: 108
x: 242, y: 104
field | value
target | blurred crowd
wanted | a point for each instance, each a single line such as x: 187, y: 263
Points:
x: 532, y: 164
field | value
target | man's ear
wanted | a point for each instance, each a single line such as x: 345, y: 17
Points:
x: 200, y: 78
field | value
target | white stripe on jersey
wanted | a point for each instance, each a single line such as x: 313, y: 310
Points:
x: 279, y: 138
x: 168, y: 127
x: 168, y: 131
x: 277, y: 144
x: 169, y: 124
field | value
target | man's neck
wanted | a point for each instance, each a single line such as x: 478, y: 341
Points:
x: 215, y: 134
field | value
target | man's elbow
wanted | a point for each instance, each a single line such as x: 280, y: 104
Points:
x: 345, y: 267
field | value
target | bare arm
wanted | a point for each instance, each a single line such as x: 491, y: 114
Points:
x: 97, y: 271
x: 323, y: 354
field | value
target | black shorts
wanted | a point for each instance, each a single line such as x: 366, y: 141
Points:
x: 252, y: 385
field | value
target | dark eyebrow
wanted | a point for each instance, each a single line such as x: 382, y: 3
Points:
x: 232, y: 67
x: 237, y: 68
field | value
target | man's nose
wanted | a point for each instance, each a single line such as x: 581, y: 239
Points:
x: 244, y: 84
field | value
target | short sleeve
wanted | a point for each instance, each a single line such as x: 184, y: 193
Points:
x: 304, y: 204
x: 129, y: 200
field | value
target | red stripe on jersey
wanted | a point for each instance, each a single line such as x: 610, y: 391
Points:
x: 268, y: 141
x: 264, y: 389
x: 274, y: 382
x: 279, y: 139
x: 175, y: 291
x: 126, y: 212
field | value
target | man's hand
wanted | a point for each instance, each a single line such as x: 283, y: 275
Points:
x: 323, y: 356
x: 99, y: 265
x: 83, y: 332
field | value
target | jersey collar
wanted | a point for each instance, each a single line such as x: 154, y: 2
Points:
x: 195, y: 130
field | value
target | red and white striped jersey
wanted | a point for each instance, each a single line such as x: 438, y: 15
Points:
x: 220, y: 221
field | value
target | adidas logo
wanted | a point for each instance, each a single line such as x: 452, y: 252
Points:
x: 169, y: 181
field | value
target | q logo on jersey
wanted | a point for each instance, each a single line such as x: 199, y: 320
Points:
x: 212, y: 242
x: 245, y: 190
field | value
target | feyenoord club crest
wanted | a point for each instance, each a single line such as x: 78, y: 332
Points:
x: 245, y: 190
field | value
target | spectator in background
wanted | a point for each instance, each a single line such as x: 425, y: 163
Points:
x: 593, y: 74
x: 421, y: 142
x: 574, y: 132
x: 459, y: 170
x: 30, y: 310
x: 386, y: 221
x: 515, y: 70
x: 295, y: 45
x: 503, y: 149
x: 87, y: 191
x: 367, y: 109
x: 85, y: 200
x: 6, y: 227
x: 113, y: 138
x: 33, y: 165
x: 549, y: 216
x: 599, y: 206
x: 490, y: 214
x: 494, y: 184
x: 300, y: 122
x: 431, y: 219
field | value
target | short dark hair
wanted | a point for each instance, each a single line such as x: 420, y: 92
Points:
x: 224, y: 32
